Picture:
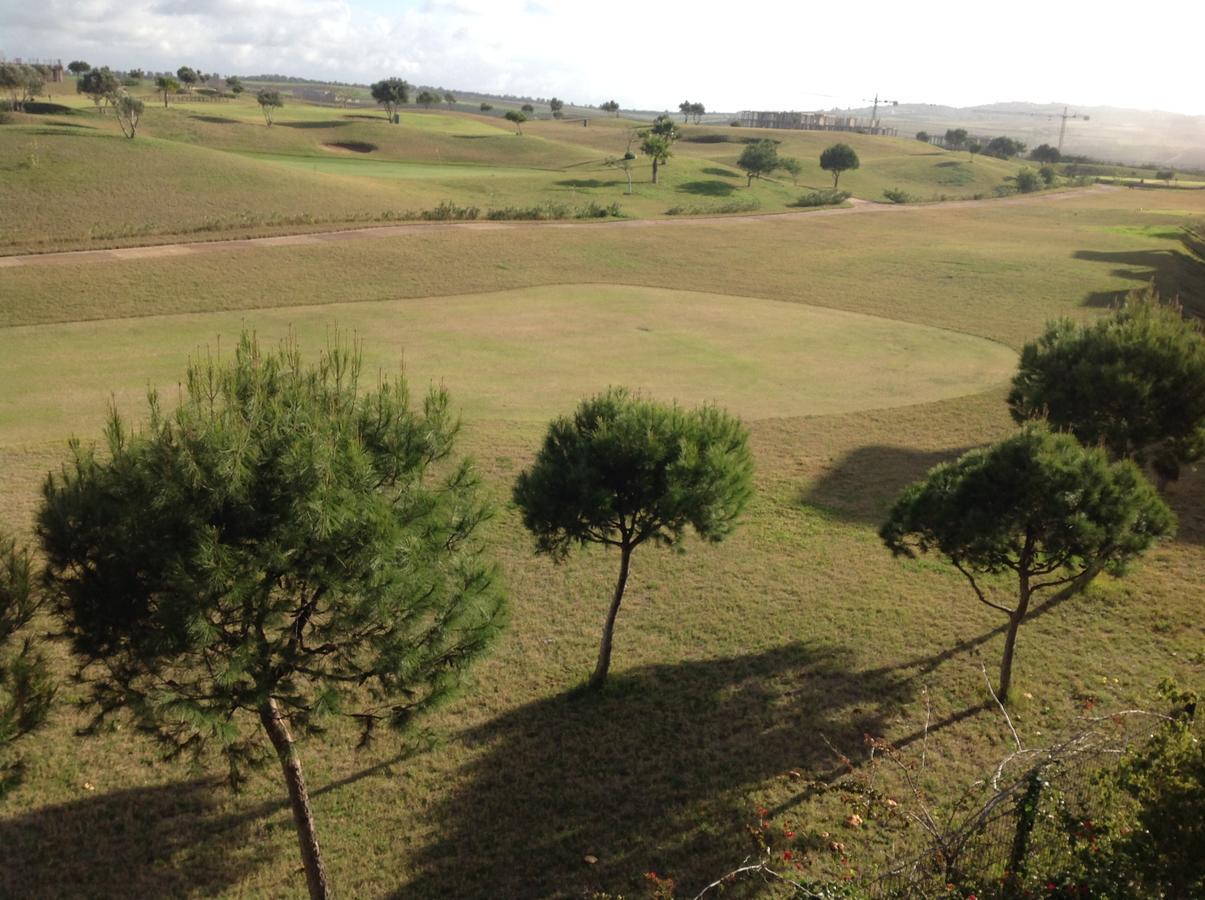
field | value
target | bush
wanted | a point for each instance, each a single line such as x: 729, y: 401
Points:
x: 1028, y: 181
x: 448, y: 211
x: 826, y: 197
x: 594, y: 210
x: 896, y: 195
x: 734, y: 206
x: 532, y: 213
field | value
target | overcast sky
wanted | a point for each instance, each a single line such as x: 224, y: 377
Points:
x: 654, y: 54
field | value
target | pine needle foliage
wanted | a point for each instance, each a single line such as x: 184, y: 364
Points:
x: 1133, y: 382
x: 26, y: 688
x: 1038, y: 505
x: 281, y: 538
x: 623, y: 471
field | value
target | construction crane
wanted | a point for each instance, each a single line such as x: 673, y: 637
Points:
x: 874, y: 116
x: 1063, y: 125
x: 1064, y: 116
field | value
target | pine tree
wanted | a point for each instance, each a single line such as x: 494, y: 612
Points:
x: 281, y: 548
x: 624, y: 471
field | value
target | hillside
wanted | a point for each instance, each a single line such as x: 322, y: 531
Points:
x: 1110, y: 133
x: 200, y: 169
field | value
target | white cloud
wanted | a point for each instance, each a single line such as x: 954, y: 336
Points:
x: 650, y: 55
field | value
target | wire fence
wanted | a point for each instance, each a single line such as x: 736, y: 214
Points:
x: 1017, y: 823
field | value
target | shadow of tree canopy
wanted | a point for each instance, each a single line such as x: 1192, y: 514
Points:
x: 1186, y: 497
x: 650, y: 775
x: 722, y: 173
x: 42, y: 108
x: 180, y: 839
x: 167, y: 840
x: 1172, y: 272
x: 329, y: 123
x: 707, y: 188
x: 220, y: 120
x: 589, y: 182
x: 864, y: 483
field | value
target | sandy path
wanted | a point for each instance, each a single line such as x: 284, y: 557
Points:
x: 161, y: 251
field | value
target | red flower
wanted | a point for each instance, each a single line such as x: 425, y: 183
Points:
x: 786, y: 854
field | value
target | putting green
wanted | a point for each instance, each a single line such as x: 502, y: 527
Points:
x: 522, y: 355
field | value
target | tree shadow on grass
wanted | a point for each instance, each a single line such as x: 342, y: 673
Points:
x: 328, y: 123
x: 722, y: 173
x: 864, y: 483
x: 168, y: 840
x: 653, y: 774
x: 1172, y: 272
x: 219, y: 120
x: 708, y: 188
x: 589, y: 183
x: 1186, y: 497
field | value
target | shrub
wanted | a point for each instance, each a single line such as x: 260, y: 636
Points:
x: 448, y: 211
x: 594, y: 210
x: 826, y: 197
x: 897, y: 195
x: 1028, y: 181
x: 546, y: 211
x: 733, y: 206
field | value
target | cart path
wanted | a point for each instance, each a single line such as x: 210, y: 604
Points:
x: 376, y: 232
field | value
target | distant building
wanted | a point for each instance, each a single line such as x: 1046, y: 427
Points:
x: 815, y: 121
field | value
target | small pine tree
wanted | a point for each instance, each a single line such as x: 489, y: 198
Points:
x: 1038, y: 505
x: 624, y: 471
x: 1133, y: 382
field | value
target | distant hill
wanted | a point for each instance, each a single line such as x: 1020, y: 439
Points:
x: 1110, y: 133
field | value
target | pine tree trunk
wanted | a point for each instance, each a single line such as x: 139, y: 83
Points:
x: 303, y: 817
x: 1010, y: 640
x: 604, y: 651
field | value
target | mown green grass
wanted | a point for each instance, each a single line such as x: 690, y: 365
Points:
x: 73, y: 181
x: 759, y: 358
x: 735, y: 665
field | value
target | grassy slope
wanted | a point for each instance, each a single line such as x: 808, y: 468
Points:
x: 74, y: 186
x: 174, y: 184
x: 734, y: 664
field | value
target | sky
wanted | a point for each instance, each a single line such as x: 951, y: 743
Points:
x: 654, y: 55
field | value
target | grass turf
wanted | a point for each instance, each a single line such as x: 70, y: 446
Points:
x: 71, y: 180
x: 735, y: 665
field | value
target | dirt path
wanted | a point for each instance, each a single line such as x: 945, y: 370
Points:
x: 161, y: 251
